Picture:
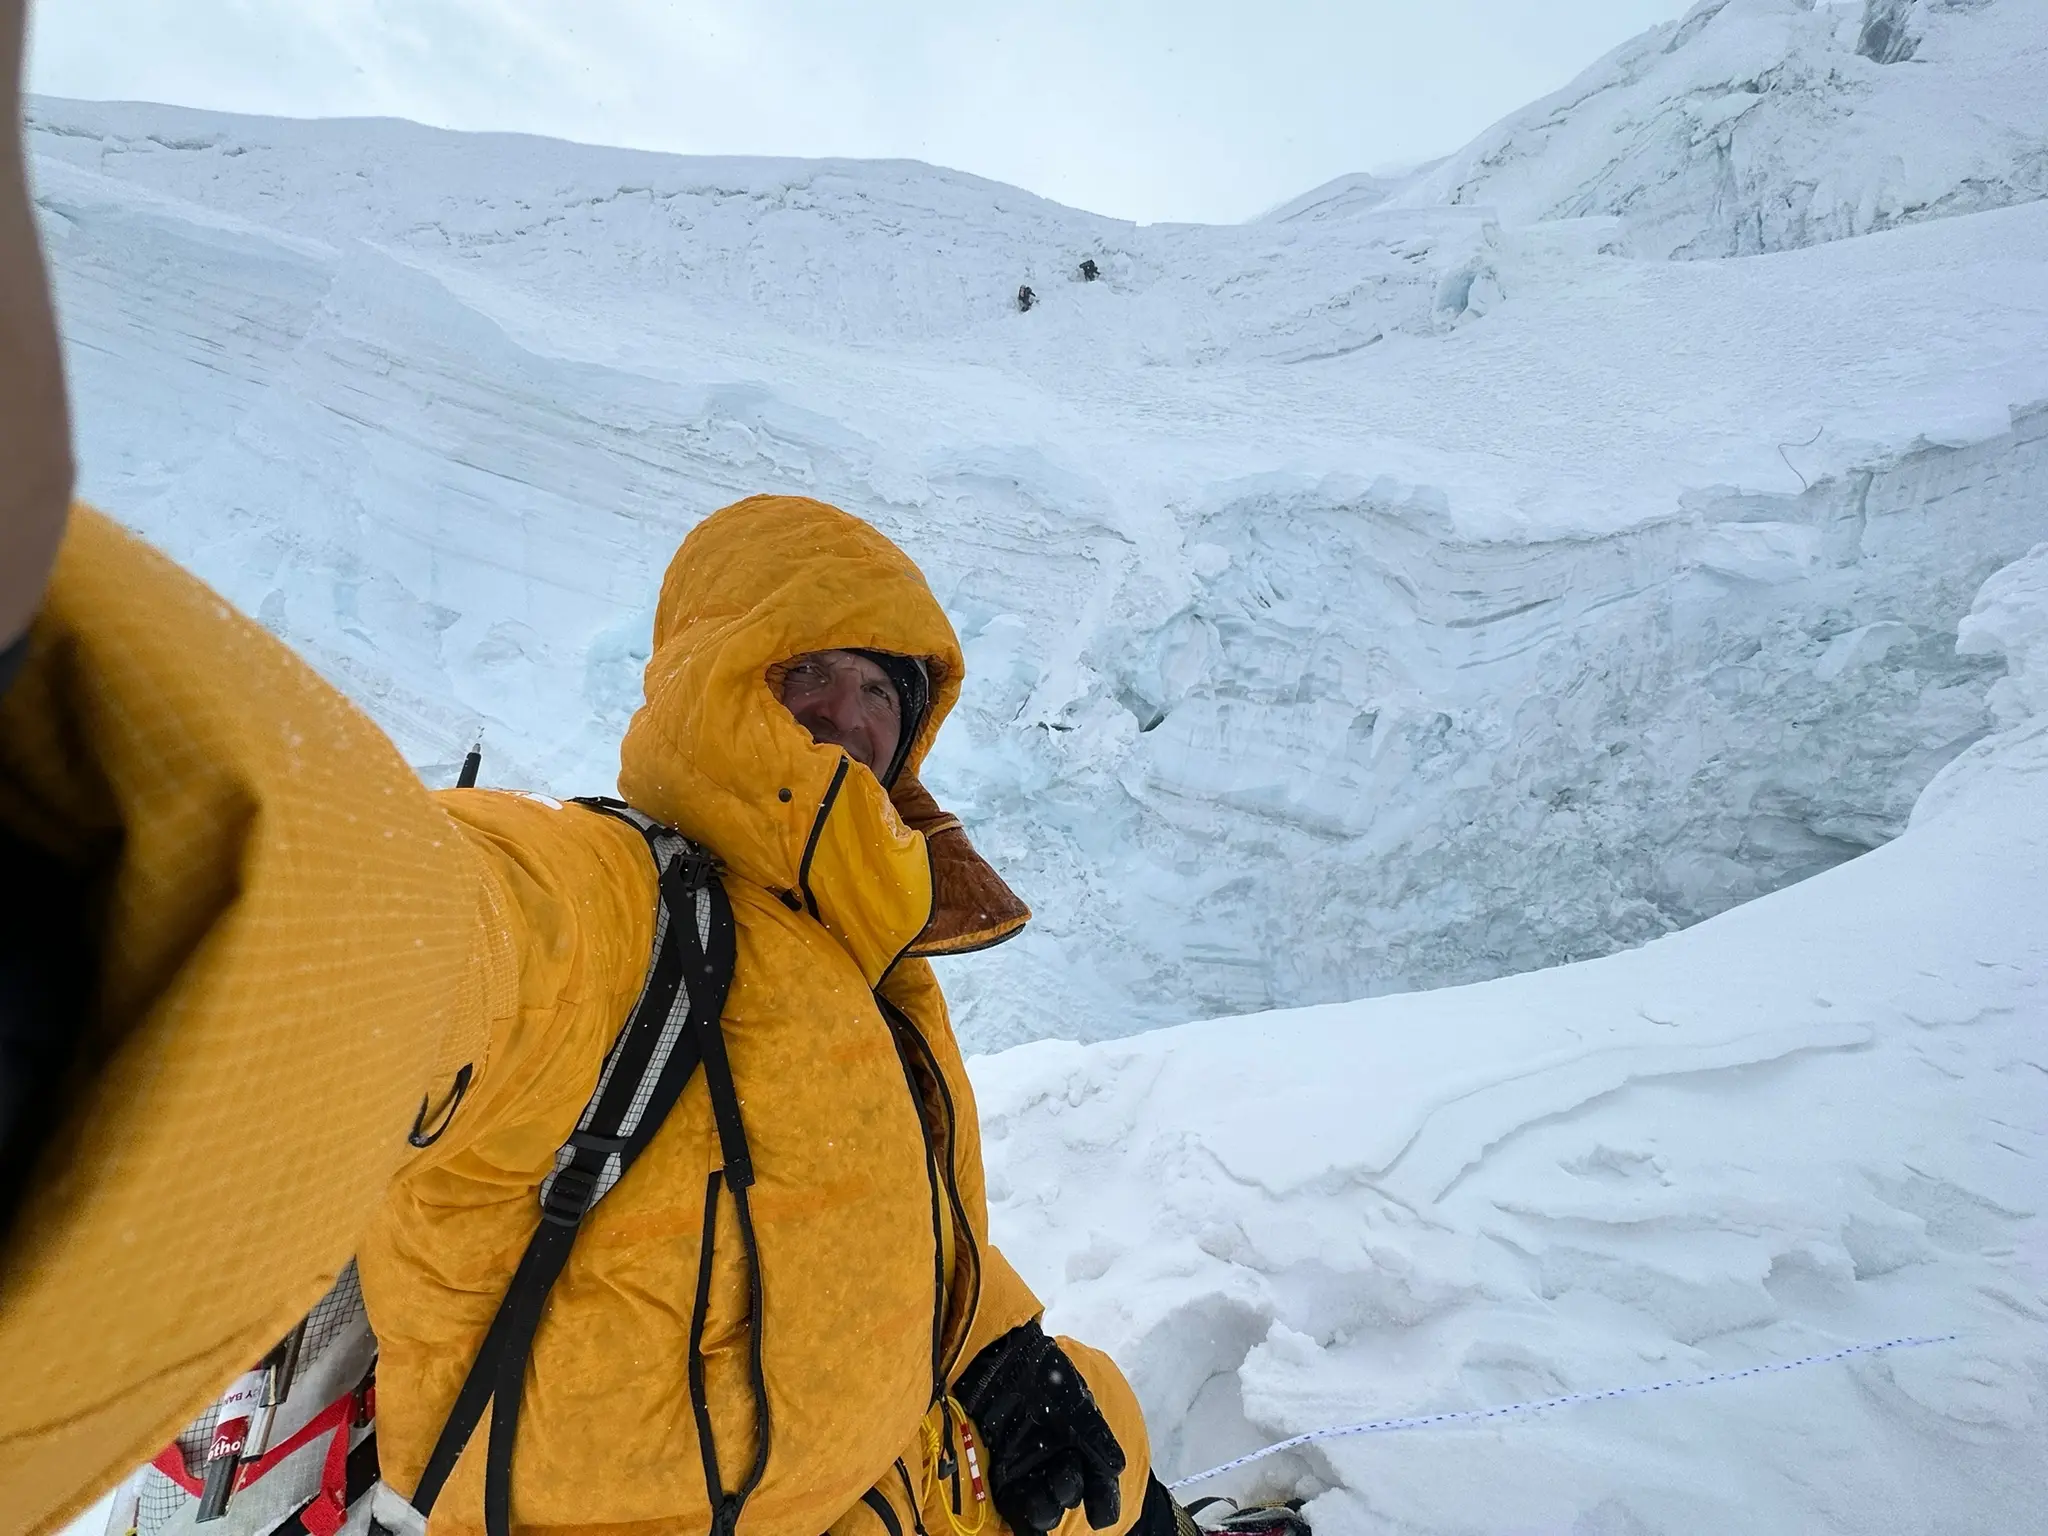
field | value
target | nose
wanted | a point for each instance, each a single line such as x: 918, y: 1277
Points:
x: 834, y: 714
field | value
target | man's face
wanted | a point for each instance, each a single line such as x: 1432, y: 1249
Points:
x: 845, y: 701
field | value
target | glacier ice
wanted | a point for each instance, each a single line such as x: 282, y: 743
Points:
x: 1355, y: 603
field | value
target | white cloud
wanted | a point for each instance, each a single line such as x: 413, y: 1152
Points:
x: 1195, y: 109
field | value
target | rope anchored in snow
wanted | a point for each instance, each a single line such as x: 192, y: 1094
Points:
x: 1480, y: 1415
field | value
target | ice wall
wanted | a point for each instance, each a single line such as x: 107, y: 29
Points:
x: 1383, y: 596
x: 1817, y: 1120
x: 1497, y: 756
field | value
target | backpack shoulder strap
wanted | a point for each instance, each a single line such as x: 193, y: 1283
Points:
x: 674, y: 1026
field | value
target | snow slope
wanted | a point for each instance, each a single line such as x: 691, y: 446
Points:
x: 1820, y: 1119
x: 1355, y: 603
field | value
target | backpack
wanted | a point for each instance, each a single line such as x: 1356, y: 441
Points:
x: 287, y: 1449
x: 317, y: 1388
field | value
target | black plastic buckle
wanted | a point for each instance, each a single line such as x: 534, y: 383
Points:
x: 739, y: 1172
x: 698, y: 868
x: 568, y: 1196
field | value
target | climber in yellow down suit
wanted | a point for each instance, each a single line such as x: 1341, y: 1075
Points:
x: 244, y: 949
x: 298, y: 946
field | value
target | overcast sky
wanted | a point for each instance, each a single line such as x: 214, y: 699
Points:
x: 1143, y: 109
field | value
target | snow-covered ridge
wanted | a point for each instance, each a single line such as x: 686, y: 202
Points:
x: 865, y: 253
x: 1758, y: 125
x: 1353, y: 603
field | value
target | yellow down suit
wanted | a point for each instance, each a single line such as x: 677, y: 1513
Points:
x: 510, y: 934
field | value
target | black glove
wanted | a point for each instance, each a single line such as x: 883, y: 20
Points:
x: 1049, y: 1448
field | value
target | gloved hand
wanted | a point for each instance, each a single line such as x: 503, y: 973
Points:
x: 1048, y: 1446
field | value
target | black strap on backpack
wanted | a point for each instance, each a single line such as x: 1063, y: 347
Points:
x: 673, y: 1028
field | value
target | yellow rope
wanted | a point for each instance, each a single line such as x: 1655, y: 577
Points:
x: 933, y: 1448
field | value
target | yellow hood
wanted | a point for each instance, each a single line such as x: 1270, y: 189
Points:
x: 714, y: 753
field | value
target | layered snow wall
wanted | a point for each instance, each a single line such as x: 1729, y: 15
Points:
x: 1353, y: 604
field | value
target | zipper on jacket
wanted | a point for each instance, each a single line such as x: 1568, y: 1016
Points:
x: 908, y: 1036
x: 930, y: 912
x: 931, y: 1167
x: 803, y: 871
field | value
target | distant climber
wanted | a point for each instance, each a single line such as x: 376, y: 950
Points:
x: 1025, y: 297
x: 1089, y: 271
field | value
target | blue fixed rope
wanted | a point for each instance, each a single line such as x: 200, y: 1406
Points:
x: 1481, y: 1415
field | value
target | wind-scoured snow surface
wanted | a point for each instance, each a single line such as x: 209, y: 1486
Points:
x: 1428, y: 583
